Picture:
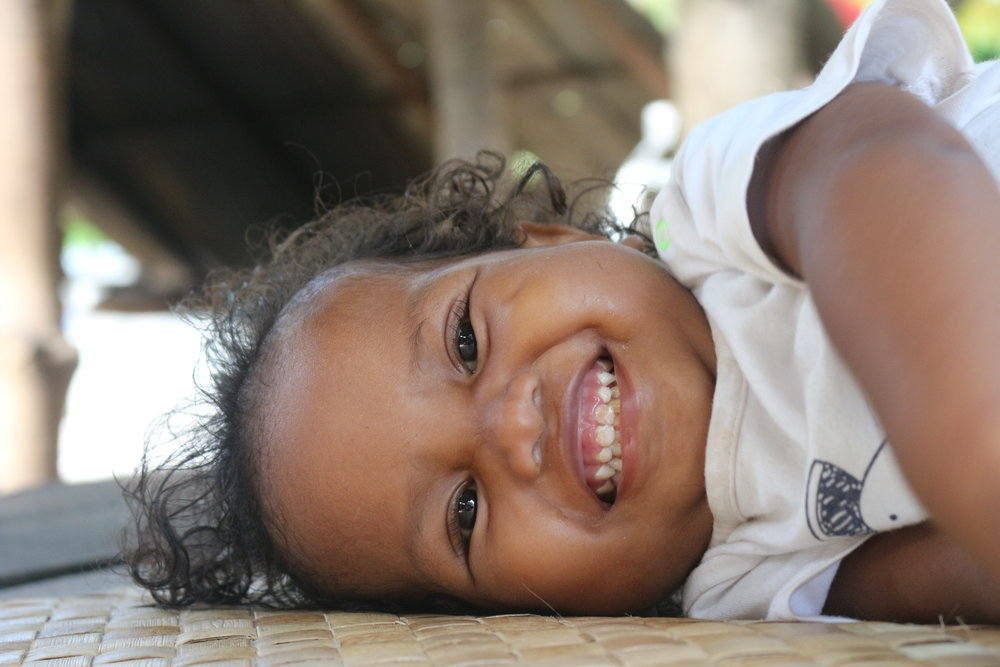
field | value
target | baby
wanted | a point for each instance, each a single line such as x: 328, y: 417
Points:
x: 455, y: 398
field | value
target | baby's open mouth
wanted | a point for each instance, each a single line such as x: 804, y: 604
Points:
x: 602, y: 462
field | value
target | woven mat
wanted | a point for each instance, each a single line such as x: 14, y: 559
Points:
x: 121, y: 627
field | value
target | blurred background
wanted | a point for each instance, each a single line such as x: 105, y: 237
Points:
x: 145, y: 140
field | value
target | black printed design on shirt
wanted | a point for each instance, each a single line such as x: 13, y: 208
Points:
x: 833, y: 500
x: 838, y: 502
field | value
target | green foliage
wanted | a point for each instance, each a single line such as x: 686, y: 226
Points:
x: 521, y: 162
x: 980, y: 21
x: 661, y: 13
x: 77, y: 230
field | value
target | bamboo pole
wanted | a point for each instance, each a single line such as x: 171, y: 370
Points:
x: 35, y: 361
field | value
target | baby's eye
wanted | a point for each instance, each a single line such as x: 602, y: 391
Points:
x: 465, y: 512
x: 465, y: 344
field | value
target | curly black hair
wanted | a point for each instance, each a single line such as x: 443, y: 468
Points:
x: 200, y: 531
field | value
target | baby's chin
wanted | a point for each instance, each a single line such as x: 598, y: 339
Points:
x: 635, y: 602
x: 629, y: 599
x: 611, y: 607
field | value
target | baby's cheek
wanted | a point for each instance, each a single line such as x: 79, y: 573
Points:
x: 573, y: 573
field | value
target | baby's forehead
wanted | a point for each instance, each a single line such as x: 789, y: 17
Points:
x: 363, y: 304
x: 335, y: 288
x: 357, y: 281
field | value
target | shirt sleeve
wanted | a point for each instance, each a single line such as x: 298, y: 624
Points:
x: 732, y: 584
x: 699, y: 221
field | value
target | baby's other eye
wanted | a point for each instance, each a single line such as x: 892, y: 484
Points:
x: 465, y: 512
x: 465, y: 344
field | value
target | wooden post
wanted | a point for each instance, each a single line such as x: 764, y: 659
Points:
x: 463, y: 84
x: 35, y: 362
x: 729, y: 51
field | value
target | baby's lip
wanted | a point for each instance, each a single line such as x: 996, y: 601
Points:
x: 570, y: 423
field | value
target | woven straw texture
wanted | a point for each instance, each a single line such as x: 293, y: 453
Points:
x: 121, y: 627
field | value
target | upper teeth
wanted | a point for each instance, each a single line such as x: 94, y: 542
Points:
x: 607, y: 435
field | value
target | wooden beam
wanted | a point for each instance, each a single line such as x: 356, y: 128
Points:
x: 351, y: 33
x: 617, y: 121
x: 35, y: 361
x: 463, y: 83
x: 163, y: 271
x: 648, y: 69
x: 572, y: 73
x: 354, y: 35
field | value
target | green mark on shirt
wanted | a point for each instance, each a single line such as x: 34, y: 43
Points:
x: 660, y: 235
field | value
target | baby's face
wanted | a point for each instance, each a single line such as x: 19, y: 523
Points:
x: 437, y: 430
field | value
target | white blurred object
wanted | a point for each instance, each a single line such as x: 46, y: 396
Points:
x: 134, y: 367
x: 647, y: 167
x: 89, y: 268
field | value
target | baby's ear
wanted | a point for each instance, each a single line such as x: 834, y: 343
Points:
x: 537, y: 235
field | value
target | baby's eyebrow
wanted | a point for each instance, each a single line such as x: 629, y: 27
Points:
x: 418, y: 486
x: 416, y: 318
x: 422, y: 545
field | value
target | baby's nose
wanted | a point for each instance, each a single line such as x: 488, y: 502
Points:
x: 516, y: 428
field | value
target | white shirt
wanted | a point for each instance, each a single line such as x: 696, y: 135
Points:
x: 798, y: 472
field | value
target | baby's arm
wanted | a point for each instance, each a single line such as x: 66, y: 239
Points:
x: 894, y: 222
x: 916, y: 574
